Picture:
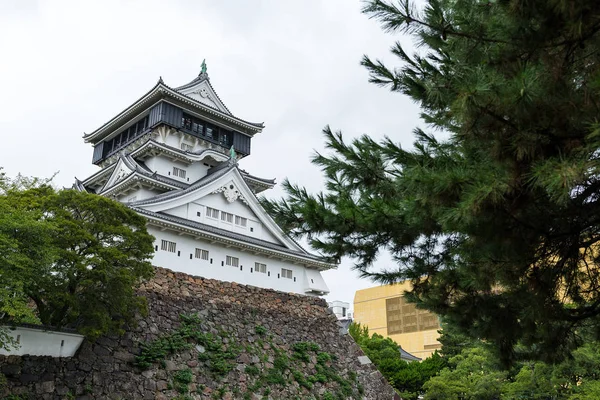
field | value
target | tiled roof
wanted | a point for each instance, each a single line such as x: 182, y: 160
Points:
x: 176, y: 193
x: 406, y: 356
x: 257, y: 126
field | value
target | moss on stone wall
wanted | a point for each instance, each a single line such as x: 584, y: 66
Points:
x: 205, y: 339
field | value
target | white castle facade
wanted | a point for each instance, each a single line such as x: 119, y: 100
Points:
x: 172, y: 156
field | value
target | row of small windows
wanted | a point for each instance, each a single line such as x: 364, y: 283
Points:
x: 231, y: 261
x: 135, y: 130
x: 227, y: 217
x: 207, y: 130
x: 179, y: 172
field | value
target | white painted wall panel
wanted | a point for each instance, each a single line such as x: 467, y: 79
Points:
x: 254, y: 228
x: 164, y: 166
x: 245, y: 274
x: 38, y: 342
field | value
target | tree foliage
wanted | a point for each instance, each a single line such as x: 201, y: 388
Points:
x: 497, y: 225
x: 476, y: 374
x: 70, y: 259
x: 406, y: 378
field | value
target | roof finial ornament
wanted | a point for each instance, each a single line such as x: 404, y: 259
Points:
x: 232, y: 157
x: 203, y: 67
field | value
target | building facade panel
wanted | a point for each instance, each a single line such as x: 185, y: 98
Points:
x: 182, y: 257
x: 385, y: 311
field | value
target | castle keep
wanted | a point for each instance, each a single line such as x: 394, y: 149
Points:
x: 172, y: 156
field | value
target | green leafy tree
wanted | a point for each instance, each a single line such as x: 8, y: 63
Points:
x: 75, y: 257
x: 474, y: 376
x: 496, y: 225
x: 476, y: 373
x: 407, y: 378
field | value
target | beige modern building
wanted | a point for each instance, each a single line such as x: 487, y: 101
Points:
x: 385, y: 311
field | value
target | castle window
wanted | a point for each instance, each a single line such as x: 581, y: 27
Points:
x: 286, y: 273
x: 209, y: 132
x: 260, y: 267
x: 186, y: 147
x: 232, y: 261
x: 224, y: 139
x: 212, y: 212
x: 227, y: 217
x: 241, y: 221
x: 201, y: 254
x: 179, y: 172
x: 168, y: 246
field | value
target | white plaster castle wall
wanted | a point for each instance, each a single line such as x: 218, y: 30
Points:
x: 254, y: 227
x: 186, y: 246
x: 37, y: 342
x: 164, y: 166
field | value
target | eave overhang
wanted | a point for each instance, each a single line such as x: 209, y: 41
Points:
x: 162, y: 92
x: 258, y: 184
x: 175, y: 153
x: 96, y: 179
x: 136, y: 178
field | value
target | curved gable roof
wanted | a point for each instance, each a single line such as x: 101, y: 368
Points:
x: 158, y: 92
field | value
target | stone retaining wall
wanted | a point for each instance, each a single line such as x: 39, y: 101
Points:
x: 262, y: 331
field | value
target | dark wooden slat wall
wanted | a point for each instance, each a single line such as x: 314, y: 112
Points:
x: 166, y: 113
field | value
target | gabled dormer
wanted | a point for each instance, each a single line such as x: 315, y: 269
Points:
x: 201, y: 90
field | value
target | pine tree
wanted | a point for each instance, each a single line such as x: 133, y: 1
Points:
x: 497, y: 224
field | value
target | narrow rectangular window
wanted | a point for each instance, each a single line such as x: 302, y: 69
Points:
x: 286, y: 273
x: 232, y: 261
x: 212, y: 213
x: 259, y: 267
x: 201, y: 254
x: 241, y: 221
x: 168, y: 246
x: 227, y: 217
x: 186, y: 147
x: 179, y: 172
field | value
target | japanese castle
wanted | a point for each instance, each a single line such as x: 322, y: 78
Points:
x: 172, y: 156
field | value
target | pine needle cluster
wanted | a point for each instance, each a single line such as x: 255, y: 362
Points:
x: 498, y: 225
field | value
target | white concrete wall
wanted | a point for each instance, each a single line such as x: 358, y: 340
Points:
x: 186, y: 245
x: 254, y: 227
x: 164, y: 166
x: 337, y: 308
x: 38, y: 342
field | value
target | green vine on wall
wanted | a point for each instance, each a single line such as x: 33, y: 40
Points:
x: 221, y: 360
x: 188, y: 335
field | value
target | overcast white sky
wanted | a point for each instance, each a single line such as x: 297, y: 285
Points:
x: 68, y: 66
